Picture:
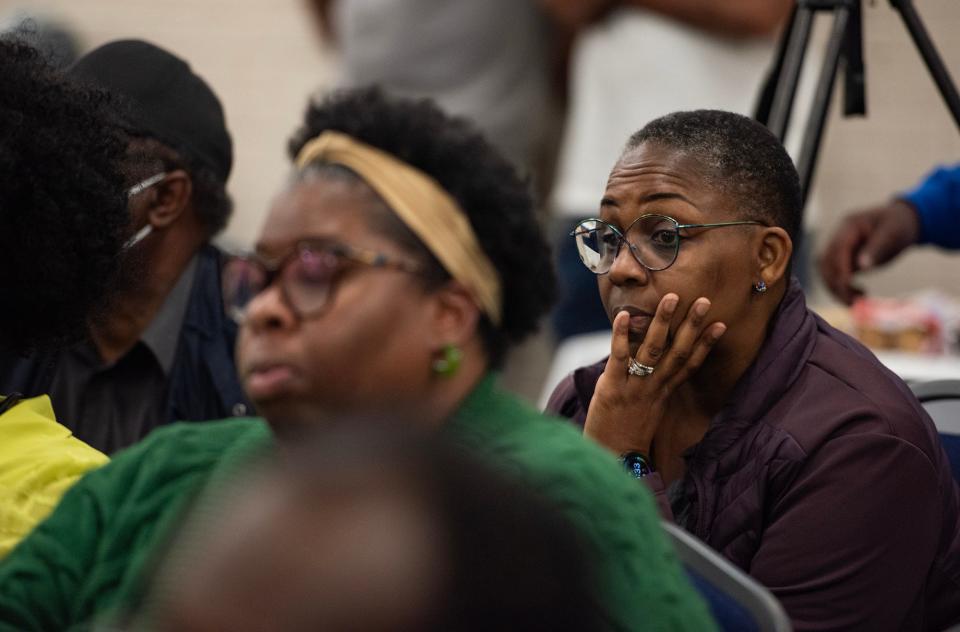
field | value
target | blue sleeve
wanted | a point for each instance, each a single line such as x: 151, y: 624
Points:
x: 937, y: 200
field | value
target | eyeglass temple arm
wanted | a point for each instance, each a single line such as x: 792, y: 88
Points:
x: 714, y: 225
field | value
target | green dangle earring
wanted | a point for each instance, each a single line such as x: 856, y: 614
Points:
x: 449, y: 363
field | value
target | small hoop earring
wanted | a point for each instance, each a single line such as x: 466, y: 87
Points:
x: 760, y: 287
x: 449, y: 363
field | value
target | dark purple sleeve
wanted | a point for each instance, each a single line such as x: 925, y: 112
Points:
x: 564, y: 402
x: 850, y: 542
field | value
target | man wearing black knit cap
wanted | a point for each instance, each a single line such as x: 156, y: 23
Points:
x: 163, y: 350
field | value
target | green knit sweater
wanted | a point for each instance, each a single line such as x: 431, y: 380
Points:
x: 88, y: 558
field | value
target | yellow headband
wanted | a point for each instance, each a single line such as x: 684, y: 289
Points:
x: 423, y: 205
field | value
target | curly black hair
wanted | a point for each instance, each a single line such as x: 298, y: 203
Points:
x: 497, y: 202
x: 741, y: 158
x: 63, y: 211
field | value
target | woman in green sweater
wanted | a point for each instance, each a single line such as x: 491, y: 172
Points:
x: 391, y: 276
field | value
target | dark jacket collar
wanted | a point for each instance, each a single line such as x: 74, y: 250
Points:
x: 790, y: 339
x: 206, y: 350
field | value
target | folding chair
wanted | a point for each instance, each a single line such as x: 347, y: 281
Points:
x: 941, y: 400
x: 737, y: 602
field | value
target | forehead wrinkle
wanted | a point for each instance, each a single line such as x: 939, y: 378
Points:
x: 652, y: 173
x: 629, y: 195
x: 662, y: 174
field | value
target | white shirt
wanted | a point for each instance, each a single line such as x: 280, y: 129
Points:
x: 636, y: 66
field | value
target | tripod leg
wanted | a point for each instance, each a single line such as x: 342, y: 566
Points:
x: 930, y: 55
x: 855, y: 79
x: 813, y: 133
x: 789, y: 75
x: 765, y: 100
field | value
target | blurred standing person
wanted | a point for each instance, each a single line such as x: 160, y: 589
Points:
x: 485, y: 61
x: 635, y: 60
x: 163, y: 351
x: 929, y: 214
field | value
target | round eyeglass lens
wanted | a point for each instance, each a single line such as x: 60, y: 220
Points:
x: 308, y: 279
x: 597, y: 244
x: 656, y: 240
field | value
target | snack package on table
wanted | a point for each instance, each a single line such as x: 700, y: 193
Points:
x: 928, y: 322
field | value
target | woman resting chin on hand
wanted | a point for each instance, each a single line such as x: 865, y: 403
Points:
x: 778, y: 440
x: 644, y: 379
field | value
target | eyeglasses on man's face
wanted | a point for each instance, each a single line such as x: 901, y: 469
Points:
x: 655, y: 243
x: 307, y: 275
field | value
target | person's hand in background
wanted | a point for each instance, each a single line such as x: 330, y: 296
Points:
x: 866, y: 240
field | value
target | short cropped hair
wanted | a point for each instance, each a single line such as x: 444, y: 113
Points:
x: 497, y: 202
x: 741, y: 158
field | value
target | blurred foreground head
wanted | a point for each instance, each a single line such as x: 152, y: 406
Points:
x: 62, y: 204
x: 372, y: 531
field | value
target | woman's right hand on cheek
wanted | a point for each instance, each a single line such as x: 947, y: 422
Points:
x: 626, y: 409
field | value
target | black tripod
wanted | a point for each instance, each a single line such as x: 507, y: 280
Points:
x: 845, y: 44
